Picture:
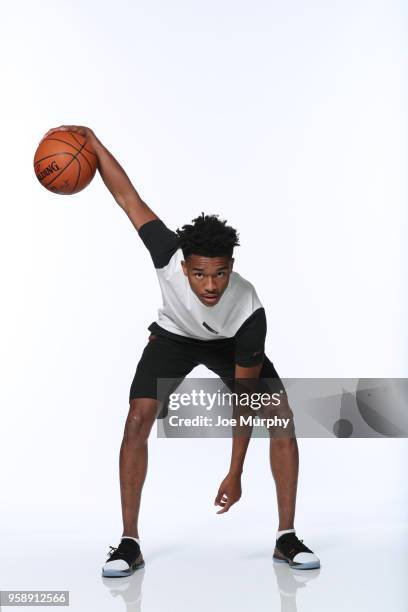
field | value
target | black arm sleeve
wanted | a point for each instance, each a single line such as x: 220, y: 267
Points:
x: 250, y: 340
x: 161, y: 242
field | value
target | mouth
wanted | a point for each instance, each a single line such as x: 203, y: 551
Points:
x: 210, y: 299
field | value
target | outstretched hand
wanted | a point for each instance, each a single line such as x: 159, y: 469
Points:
x: 229, y: 493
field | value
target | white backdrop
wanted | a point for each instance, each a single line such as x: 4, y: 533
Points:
x: 286, y: 118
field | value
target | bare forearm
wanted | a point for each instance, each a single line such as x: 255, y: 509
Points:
x: 239, y: 448
x: 115, y: 178
x: 242, y: 433
x: 120, y: 186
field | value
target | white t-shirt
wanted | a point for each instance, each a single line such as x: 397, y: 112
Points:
x: 238, y: 315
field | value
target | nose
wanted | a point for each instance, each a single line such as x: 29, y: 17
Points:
x: 210, y: 286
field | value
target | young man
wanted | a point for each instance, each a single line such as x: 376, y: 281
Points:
x: 211, y: 316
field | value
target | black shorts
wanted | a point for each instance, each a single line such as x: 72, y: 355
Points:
x: 165, y: 357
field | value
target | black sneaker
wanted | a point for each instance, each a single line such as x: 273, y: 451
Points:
x: 123, y: 560
x: 289, y: 549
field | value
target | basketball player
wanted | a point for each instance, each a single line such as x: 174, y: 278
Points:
x: 210, y: 315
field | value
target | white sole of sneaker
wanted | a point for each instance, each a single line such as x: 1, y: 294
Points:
x: 311, y: 565
x: 111, y: 573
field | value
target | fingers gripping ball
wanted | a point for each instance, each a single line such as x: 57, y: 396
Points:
x: 65, y: 162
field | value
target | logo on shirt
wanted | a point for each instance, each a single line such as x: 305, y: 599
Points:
x: 209, y: 328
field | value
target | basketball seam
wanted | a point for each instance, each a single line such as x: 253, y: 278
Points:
x: 79, y: 174
x: 54, y: 155
x: 62, y: 172
x: 87, y: 160
x: 87, y: 150
x: 67, y: 143
x: 68, y: 164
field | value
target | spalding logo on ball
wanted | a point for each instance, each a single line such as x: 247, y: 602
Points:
x: 65, y: 162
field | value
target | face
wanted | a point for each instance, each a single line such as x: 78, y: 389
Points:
x: 208, y: 276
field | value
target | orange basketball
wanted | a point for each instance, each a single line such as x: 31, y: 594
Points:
x: 65, y: 162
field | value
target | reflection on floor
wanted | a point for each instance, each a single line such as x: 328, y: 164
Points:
x: 362, y: 568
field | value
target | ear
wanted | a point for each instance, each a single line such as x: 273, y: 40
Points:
x: 232, y: 263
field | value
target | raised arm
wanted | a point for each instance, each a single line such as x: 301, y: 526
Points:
x: 114, y: 177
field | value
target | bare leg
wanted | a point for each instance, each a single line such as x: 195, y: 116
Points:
x: 284, y: 460
x: 133, y: 460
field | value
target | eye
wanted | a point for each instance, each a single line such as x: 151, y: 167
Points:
x: 221, y: 273
x: 198, y: 275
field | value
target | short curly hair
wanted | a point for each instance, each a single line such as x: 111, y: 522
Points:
x: 208, y: 236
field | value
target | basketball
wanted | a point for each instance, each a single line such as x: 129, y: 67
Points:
x: 65, y: 162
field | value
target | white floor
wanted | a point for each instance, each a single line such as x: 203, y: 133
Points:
x: 364, y: 567
x: 57, y: 522
x: 60, y: 512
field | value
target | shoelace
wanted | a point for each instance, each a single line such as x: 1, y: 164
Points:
x: 112, y: 550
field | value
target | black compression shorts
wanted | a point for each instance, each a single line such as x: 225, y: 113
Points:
x: 166, y: 357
